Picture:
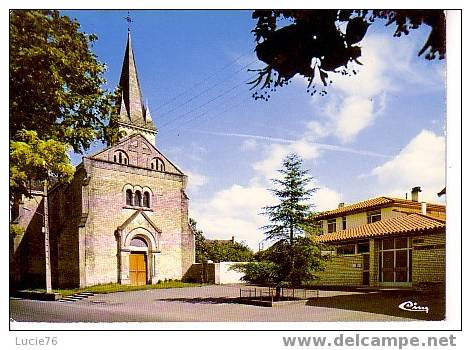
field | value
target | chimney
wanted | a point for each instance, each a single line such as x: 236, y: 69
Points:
x: 341, y: 205
x: 232, y: 239
x: 423, y: 206
x: 415, y: 193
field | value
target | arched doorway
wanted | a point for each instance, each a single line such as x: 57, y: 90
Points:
x: 138, y: 252
x: 138, y: 261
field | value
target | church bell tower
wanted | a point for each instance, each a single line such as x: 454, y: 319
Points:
x: 134, y: 116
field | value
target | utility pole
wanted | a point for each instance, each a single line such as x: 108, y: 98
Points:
x: 46, y: 240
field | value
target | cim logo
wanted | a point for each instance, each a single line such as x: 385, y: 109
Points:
x: 412, y: 306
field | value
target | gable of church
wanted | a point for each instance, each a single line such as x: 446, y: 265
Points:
x: 137, y: 151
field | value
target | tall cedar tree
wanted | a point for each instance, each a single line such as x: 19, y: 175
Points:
x: 288, y: 218
x: 295, y: 257
x: 56, y: 100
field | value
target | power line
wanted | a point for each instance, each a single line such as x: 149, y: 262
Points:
x: 200, y: 116
x: 201, y: 82
x: 220, y: 82
x: 206, y: 103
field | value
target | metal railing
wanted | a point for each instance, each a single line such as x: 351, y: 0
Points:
x: 269, y: 293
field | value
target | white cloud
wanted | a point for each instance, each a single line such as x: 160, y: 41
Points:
x: 195, y: 181
x: 266, y: 169
x: 234, y: 211
x: 326, y: 199
x: 420, y: 163
x: 354, y: 102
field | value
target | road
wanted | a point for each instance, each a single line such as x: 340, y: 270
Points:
x: 195, y: 304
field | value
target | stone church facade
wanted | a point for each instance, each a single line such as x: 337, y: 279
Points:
x: 123, y: 218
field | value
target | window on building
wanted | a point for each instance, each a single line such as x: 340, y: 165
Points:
x: 157, y: 164
x: 146, y: 200
x: 331, y: 225
x: 346, y: 249
x: 374, y: 216
x: 363, y: 247
x: 120, y: 157
x: 128, y: 197
x: 137, y: 198
x: 395, y: 260
x: 344, y: 223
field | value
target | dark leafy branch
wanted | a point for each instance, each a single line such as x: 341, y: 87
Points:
x: 315, y: 43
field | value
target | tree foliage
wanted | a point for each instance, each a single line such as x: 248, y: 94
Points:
x: 218, y: 251
x: 56, y: 98
x: 295, y: 257
x: 288, y: 217
x: 33, y: 158
x: 284, y: 263
x: 315, y: 43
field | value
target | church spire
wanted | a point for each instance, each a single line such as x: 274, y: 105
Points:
x: 134, y: 117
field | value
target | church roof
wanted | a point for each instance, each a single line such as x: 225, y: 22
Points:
x: 132, y: 110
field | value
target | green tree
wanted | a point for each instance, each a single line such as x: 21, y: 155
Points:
x: 287, y: 219
x: 201, y: 253
x: 294, y: 258
x: 31, y: 156
x: 56, y: 100
x: 228, y: 251
x: 316, y: 43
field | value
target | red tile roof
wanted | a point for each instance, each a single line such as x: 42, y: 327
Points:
x: 404, y: 224
x: 373, y: 203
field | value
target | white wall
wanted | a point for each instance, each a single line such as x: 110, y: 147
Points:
x: 223, y: 275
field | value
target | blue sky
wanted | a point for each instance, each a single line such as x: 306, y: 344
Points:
x: 381, y: 132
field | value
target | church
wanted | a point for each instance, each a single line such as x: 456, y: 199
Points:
x: 122, y: 219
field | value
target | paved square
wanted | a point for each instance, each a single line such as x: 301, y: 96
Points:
x: 207, y: 303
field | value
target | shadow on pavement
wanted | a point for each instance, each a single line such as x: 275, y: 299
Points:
x: 387, y: 302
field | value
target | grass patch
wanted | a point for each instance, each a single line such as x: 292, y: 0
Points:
x: 115, y: 287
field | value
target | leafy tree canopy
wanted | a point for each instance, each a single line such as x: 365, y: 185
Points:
x: 315, y: 43
x: 33, y: 158
x: 275, y: 264
x: 56, y: 99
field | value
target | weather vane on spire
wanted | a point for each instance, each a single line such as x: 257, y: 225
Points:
x: 129, y: 20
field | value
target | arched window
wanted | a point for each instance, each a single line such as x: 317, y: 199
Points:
x: 128, y: 197
x: 146, y: 200
x: 121, y: 157
x: 137, y: 198
x: 160, y: 165
x: 157, y: 164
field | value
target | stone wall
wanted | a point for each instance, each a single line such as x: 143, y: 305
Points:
x: 27, y: 257
x: 428, y: 259
x: 108, y: 210
x: 342, y: 270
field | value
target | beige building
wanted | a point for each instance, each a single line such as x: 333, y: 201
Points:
x: 384, y: 241
x: 122, y: 219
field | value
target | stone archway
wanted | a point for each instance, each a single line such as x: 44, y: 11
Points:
x: 138, y: 254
